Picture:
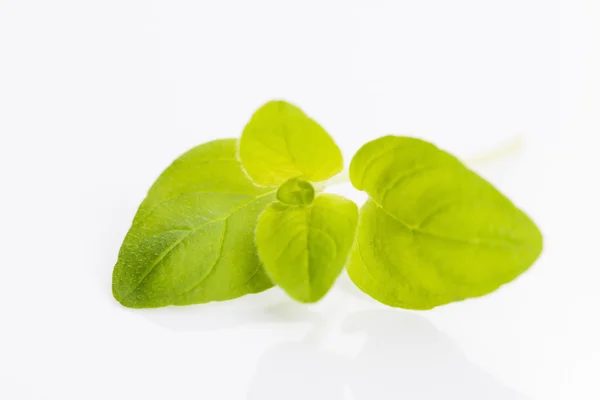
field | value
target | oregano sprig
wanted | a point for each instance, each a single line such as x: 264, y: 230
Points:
x: 229, y: 218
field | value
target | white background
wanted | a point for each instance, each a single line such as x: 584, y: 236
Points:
x: 98, y: 97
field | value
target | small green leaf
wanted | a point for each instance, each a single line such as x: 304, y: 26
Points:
x: 433, y: 231
x: 304, y: 249
x: 296, y: 192
x: 281, y: 142
x: 192, y: 238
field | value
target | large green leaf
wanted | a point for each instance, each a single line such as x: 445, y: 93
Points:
x: 281, y: 142
x: 304, y: 248
x: 433, y: 231
x: 192, y: 238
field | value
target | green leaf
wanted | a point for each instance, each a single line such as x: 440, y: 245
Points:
x: 304, y: 248
x: 281, y: 142
x: 192, y: 238
x: 433, y: 231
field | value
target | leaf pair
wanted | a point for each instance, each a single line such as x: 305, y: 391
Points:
x: 193, y: 237
x: 228, y: 219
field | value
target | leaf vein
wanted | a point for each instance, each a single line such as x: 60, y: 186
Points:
x: 476, y: 241
x: 189, y: 234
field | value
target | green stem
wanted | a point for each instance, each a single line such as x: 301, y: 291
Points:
x: 342, y: 177
x: 511, y: 147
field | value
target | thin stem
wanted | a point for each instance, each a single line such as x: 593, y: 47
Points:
x: 511, y: 147
x: 342, y: 177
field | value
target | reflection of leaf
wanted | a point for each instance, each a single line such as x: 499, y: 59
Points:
x: 298, y: 370
x: 433, y: 231
x: 191, y: 240
x: 405, y: 356
x: 305, y: 248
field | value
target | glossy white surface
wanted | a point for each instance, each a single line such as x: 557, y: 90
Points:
x: 97, y: 98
